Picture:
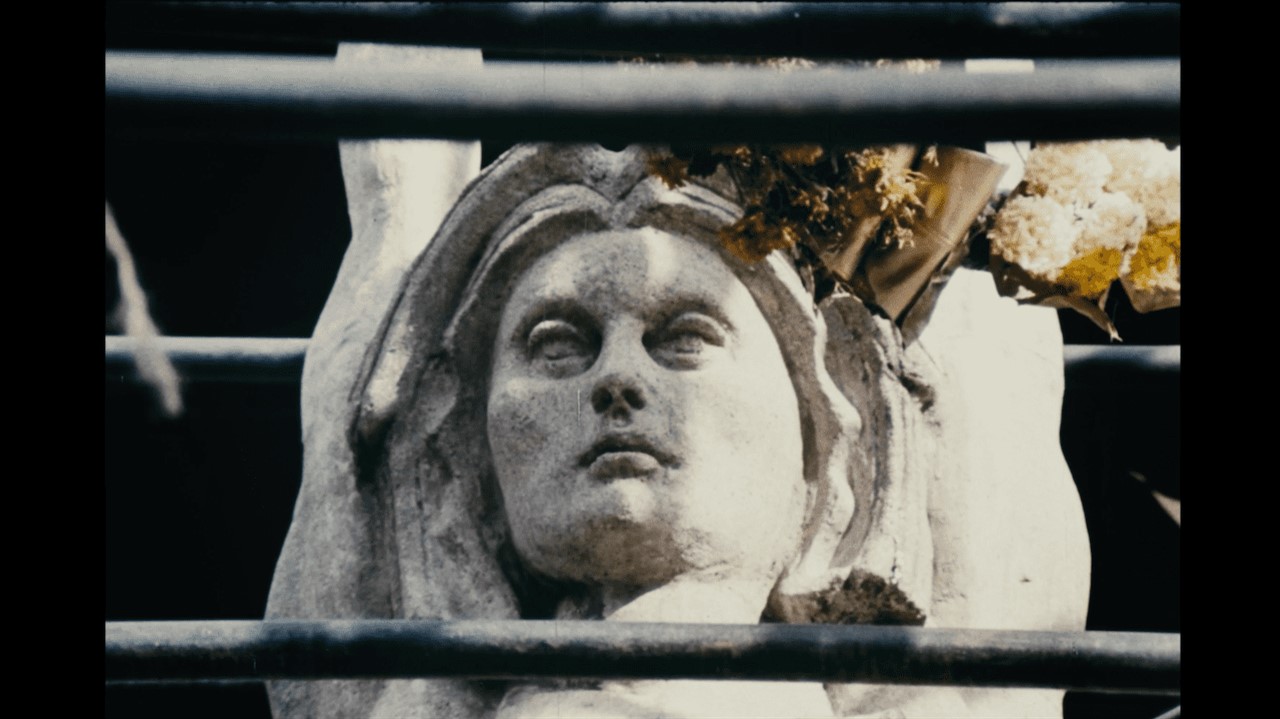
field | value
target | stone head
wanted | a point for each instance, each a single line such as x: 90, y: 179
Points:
x: 641, y: 418
x: 632, y: 402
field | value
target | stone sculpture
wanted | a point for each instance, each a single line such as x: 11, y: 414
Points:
x: 577, y: 406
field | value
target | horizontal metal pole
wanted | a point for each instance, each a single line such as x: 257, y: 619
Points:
x: 314, y: 98
x: 803, y: 29
x: 351, y: 649
x: 280, y: 359
x: 227, y: 359
x: 1139, y: 358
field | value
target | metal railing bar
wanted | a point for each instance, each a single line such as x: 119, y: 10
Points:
x: 313, y: 98
x: 1146, y: 358
x: 805, y: 29
x: 228, y: 359
x: 504, y: 649
x: 212, y: 683
x: 280, y: 359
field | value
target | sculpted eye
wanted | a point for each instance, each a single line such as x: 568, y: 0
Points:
x: 560, y: 346
x: 687, y: 340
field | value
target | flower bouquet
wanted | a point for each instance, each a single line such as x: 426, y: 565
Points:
x: 887, y: 224
x: 1087, y: 214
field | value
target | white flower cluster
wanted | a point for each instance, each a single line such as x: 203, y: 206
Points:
x: 1113, y: 221
x: 1070, y: 173
x: 1085, y: 196
x: 1150, y: 175
x: 1035, y: 233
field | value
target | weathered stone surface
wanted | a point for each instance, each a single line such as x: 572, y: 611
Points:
x: 577, y: 405
x: 1009, y: 544
x: 331, y: 565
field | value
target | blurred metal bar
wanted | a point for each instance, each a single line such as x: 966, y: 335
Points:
x: 1123, y: 371
x: 313, y: 98
x: 803, y: 29
x: 1151, y: 358
x: 238, y: 359
x: 280, y: 359
x: 349, y: 649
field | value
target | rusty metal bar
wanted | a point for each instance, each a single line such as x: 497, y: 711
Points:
x: 804, y: 29
x: 349, y: 649
x: 300, y: 98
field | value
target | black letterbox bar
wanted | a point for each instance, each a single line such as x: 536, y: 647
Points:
x: 313, y: 98
x: 803, y: 29
x: 349, y: 649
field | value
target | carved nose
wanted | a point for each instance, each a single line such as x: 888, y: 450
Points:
x: 615, y: 395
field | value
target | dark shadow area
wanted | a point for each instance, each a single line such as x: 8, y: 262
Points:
x: 244, y: 701
x: 1121, y: 435
x: 1162, y: 327
x: 230, y: 239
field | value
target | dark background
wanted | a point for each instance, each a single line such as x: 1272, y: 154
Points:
x: 245, y: 239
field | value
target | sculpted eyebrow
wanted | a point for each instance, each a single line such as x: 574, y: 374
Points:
x: 681, y: 304
x: 563, y: 308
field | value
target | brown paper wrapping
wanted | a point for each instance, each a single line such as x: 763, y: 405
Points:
x: 1153, y: 299
x: 904, y: 281
x: 844, y: 260
x: 1013, y: 281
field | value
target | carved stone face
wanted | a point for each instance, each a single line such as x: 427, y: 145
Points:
x: 641, y: 418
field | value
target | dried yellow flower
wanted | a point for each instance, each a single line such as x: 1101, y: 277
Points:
x: 741, y: 153
x: 1090, y: 275
x: 879, y: 188
x: 803, y: 155
x: 803, y: 195
x: 1157, y: 263
x: 672, y: 170
x: 812, y: 203
x: 753, y: 237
